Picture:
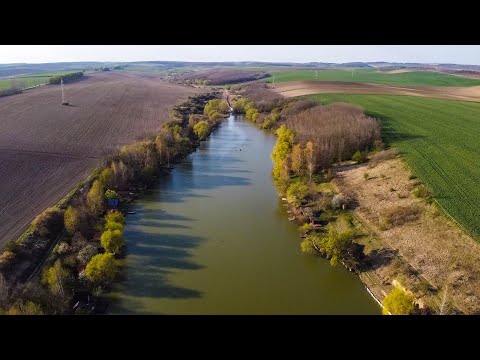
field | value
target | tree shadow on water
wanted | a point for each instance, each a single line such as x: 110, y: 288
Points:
x: 152, y: 258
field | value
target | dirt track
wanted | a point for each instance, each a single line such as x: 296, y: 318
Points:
x: 299, y: 88
x: 46, y: 148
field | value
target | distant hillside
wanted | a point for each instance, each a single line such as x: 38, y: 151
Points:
x: 17, y: 69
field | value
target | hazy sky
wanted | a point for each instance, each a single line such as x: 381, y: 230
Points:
x: 289, y: 53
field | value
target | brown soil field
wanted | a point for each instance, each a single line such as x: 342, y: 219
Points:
x: 441, y: 252
x: 397, y: 71
x: 45, y: 148
x: 299, y: 88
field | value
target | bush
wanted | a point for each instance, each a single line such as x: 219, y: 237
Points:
x: 71, y: 219
x: 383, y: 156
x: 306, y: 227
x: 110, y: 194
x: 112, y: 241
x: 400, y: 215
x: 201, y: 130
x: 214, y: 116
x: 215, y: 105
x: 106, y: 177
x: 422, y: 192
x: 95, y: 197
x: 252, y: 114
x: 335, y: 246
x: 11, y: 246
x: 324, y: 203
x: 24, y: 307
x: 86, y: 254
x: 115, y: 216
x: 267, y: 123
x: 8, y: 92
x: 307, y: 247
x: 339, y: 201
x: 6, y: 260
x: 241, y: 106
x: 49, y: 222
x: 359, y: 157
x: 297, y: 192
x: 398, y: 302
x: 69, y: 77
x: 101, y: 269
x: 112, y: 225
x: 62, y: 248
x: 56, y: 278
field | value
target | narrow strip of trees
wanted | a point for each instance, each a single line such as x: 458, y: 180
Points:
x: 69, y: 77
x: 91, y: 235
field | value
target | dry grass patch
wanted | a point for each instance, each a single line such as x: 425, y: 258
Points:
x: 375, y: 159
x: 400, y: 215
x: 441, y: 252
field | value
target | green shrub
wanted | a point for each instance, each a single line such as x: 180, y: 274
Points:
x: 66, y: 77
x: 422, y: 192
x: 398, y: 302
x: 112, y: 225
x: 297, y: 192
x: 110, y: 194
x: 6, y: 260
x: 201, y: 130
x: 112, y: 241
x: 359, y: 157
x: 115, y: 216
x: 101, y: 269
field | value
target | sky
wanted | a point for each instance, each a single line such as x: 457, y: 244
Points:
x: 459, y: 54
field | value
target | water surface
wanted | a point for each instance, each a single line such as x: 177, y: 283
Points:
x: 213, y: 238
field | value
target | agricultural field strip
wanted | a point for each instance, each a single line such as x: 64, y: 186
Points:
x: 439, y: 139
x: 299, y: 88
x: 421, y: 78
x: 46, y: 148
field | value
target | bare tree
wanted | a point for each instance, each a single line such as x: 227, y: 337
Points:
x: 4, y: 291
x: 443, y: 308
x: 336, y: 130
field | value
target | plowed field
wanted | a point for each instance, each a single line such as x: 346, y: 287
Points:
x: 45, y: 148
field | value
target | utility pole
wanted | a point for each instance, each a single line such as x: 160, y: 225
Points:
x: 63, y: 94
x: 316, y: 74
x: 273, y: 81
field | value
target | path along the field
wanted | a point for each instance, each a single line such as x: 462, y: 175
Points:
x: 299, y: 88
x: 46, y: 148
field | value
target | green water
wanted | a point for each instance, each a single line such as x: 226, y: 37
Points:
x: 213, y: 238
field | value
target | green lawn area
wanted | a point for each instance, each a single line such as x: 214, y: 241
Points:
x: 440, y: 140
x: 421, y: 78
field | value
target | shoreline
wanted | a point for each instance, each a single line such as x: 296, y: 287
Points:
x: 28, y: 265
x: 386, y: 263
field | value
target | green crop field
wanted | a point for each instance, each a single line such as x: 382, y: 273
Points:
x: 27, y: 81
x: 440, y: 140
x: 420, y: 78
